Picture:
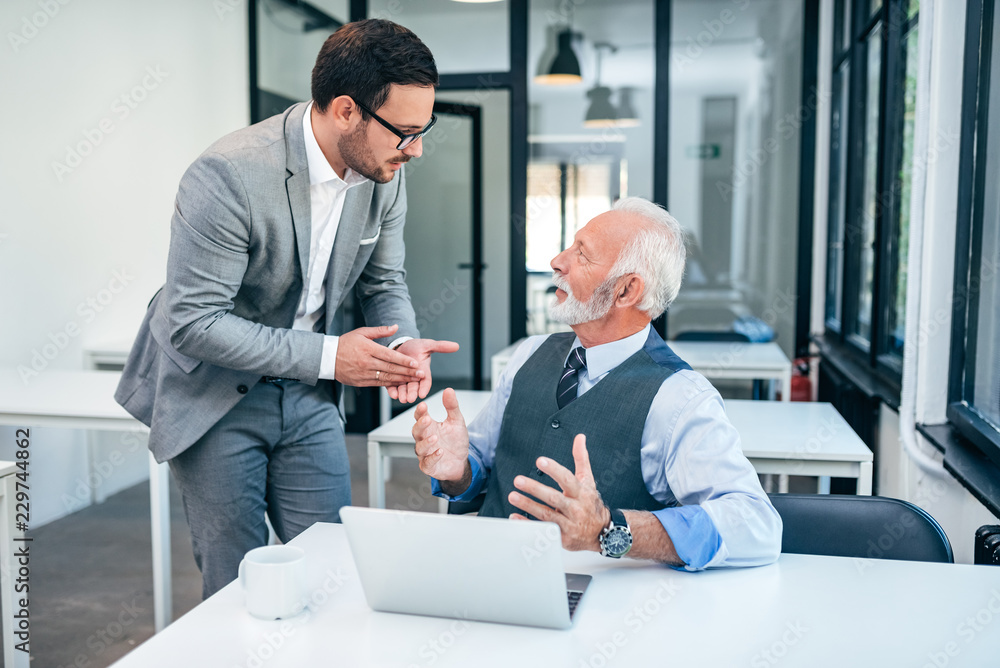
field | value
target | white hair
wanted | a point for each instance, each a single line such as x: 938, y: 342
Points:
x: 657, y: 254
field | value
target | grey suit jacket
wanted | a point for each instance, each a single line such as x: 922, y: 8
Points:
x: 239, y: 252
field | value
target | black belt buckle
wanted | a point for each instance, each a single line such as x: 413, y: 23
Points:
x: 276, y: 380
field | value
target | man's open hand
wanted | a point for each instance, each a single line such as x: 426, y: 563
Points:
x: 578, y: 510
x: 442, y: 447
x: 421, y: 351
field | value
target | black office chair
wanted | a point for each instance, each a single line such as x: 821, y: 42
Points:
x: 719, y: 335
x: 875, y: 527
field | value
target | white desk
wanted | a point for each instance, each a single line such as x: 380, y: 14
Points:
x: 85, y: 400
x: 714, y: 360
x: 8, y: 565
x: 809, y: 439
x: 801, y: 611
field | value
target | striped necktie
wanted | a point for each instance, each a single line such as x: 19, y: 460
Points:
x: 566, y: 390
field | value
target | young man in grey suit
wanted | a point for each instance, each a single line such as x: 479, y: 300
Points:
x: 238, y: 363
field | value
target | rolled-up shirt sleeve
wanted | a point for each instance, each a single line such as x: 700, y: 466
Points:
x: 692, y: 456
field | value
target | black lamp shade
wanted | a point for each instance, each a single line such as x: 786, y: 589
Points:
x: 565, y: 69
x: 601, y: 113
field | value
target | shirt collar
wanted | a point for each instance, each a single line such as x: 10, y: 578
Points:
x: 320, y: 170
x: 605, y: 357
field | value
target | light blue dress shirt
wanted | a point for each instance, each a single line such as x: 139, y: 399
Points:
x: 691, y: 461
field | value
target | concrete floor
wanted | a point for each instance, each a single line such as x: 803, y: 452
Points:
x: 92, y: 572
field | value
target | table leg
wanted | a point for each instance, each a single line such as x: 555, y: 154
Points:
x: 783, y: 483
x: 865, y: 479
x: 9, y: 532
x: 159, y: 511
x: 376, y: 479
x: 823, y: 484
x: 786, y: 385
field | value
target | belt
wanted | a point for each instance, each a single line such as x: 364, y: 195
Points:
x: 277, y: 380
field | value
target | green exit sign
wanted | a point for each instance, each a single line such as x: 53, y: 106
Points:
x: 703, y: 151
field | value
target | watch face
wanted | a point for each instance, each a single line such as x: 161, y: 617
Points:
x: 618, y: 541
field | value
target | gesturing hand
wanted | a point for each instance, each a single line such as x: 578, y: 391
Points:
x: 419, y: 350
x: 363, y: 363
x: 442, y: 447
x: 578, y: 510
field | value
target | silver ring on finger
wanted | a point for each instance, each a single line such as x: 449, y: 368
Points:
x: 377, y: 374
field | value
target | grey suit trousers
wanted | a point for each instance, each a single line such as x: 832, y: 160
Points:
x: 280, y: 450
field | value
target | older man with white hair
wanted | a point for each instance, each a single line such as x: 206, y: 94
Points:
x: 604, y: 430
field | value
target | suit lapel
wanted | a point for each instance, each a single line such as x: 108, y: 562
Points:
x: 297, y: 184
x: 345, y: 247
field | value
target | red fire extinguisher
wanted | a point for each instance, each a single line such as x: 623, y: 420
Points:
x: 801, y: 383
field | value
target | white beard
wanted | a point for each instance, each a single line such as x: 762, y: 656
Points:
x: 574, y: 312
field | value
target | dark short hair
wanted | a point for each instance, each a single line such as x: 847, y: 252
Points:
x: 362, y: 59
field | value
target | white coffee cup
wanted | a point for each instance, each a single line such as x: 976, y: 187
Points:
x: 273, y: 578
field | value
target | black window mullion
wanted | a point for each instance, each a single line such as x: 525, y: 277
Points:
x: 853, y: 223
x: 887, y: 253
x: 976, y: 250
x: 972, y: 117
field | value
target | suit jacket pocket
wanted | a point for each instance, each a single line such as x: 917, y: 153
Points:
x: 371, y: 240
x: 161, y: 333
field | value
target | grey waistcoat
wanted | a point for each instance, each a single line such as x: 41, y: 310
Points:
x: 612, y: 414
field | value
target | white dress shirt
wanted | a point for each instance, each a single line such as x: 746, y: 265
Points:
x: 327, y: 193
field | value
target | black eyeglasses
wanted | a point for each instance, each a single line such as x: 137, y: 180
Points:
x: 404, y: 139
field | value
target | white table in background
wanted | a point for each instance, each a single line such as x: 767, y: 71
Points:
x: 801, y: 438
x: 85, y: 400
x: 10, y: 537
x: 802, y: 610
x: 713, y: 359
x: 798, y: 438
x: 730, y: 360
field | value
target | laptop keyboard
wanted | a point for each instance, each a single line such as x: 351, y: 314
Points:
x: 574, y: 600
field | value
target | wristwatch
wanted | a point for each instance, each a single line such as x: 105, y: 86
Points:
x: 616, y: 538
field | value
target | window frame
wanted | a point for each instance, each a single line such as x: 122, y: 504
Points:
x: 890, y: 24
x: 961, y: 413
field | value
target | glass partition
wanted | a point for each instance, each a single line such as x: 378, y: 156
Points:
x: 736, y: 114
x: 590, y: 141
x: 464, y: 37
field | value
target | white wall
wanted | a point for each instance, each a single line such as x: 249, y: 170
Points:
x: 107, y: 103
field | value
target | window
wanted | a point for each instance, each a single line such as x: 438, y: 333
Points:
x: 871, y: 160
x: 975, y: 370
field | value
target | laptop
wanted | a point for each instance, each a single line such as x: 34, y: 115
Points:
x: 463, y: 567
